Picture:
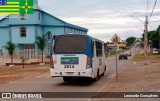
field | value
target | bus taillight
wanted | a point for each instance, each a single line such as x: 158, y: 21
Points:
x: 88, y: 63
x: 51, y: 63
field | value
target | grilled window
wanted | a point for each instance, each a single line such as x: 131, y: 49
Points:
x: 23, y: 32
x: 99, y: 49
x: 39, y: 16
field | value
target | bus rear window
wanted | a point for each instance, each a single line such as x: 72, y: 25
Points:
x: 70, y: 43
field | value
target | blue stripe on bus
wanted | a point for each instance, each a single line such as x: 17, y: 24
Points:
x: 88, y: 51
x: 51, y: 48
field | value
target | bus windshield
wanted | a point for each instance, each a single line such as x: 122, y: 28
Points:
x: 70, y: 43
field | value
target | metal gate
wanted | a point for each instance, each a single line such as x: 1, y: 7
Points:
x: 28, y: 53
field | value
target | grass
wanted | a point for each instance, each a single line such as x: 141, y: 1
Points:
x: 13, y: 73
x: 114, y: 52
x: 20, y: 70
x: 151, y: 57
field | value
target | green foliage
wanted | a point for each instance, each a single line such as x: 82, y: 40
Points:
x: 154, y: 37
x: 118, y: 52
x: 10, y: 47
x: 141, y: 57
x: 130, y: 41
x: 23, y: 59
x: 155, y: 40
x: 41, y: 42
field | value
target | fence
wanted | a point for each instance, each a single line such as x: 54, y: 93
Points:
x: 27, y: 53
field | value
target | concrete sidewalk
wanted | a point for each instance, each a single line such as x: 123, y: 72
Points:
x: 135, y: 78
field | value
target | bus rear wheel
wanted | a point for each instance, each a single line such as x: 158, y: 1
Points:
x: 104, y: 71
x: 67, y: 79
x: 97, y: 77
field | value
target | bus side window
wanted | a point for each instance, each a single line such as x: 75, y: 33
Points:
x: 98, y: 49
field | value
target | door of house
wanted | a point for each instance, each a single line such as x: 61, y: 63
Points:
x: 29, y: 51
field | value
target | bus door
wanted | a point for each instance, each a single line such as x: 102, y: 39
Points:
x: 94, y: 66
x: 99, y: 56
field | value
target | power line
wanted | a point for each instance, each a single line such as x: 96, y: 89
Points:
x: 151, y: 27
x: 153, y: 9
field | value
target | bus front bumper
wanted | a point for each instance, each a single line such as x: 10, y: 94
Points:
x: 83, y: 73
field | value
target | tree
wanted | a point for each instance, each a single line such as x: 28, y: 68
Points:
x: 130, y: 41
x: 155, y: 40
x: 10, y: 47
x: 154, y: 37
x: 41, y: 42
x: 23, y: 60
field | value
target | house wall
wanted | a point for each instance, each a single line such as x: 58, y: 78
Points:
x: 50, y: 20
x: 4, y: 36
x: 4, y: 22
x: 17, y: 39
x: 54, y: 30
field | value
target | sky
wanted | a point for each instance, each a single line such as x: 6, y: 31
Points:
x: 104, y: 18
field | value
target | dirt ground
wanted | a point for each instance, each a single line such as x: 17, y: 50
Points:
x: 135, y: 78
x: 18, y: 72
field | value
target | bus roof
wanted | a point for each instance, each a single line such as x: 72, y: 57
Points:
x: 82, y: 35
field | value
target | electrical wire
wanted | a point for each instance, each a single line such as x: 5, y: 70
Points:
x: 153, y: 9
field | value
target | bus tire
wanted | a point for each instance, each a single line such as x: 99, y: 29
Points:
x: 104, y: 71
x: 97, y: 77
x: 66, y: 79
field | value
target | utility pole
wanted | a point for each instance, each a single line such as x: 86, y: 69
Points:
x: 159, y: 39
x: 146, y: 40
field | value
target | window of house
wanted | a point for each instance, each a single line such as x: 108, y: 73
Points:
x: 29, y: 46
x: 39, y: 16
x: 98, y: 49
x: 49, y: 35
x: 23, y: 32
x: 23, y: 16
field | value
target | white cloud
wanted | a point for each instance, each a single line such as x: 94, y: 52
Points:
x: 104, y: 18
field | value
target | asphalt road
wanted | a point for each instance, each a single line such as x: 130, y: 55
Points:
x: 44, y: 83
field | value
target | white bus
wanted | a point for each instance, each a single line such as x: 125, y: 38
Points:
x: 75, y: 55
